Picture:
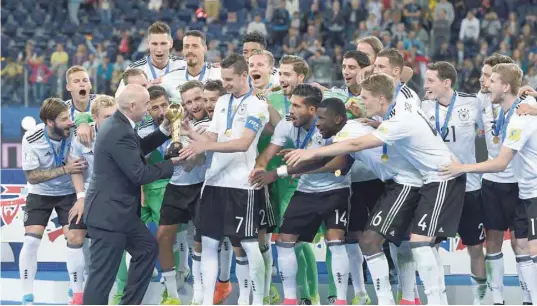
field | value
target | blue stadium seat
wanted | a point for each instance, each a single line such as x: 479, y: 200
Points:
x: 192, y: 4
x: 185, y: 16
x: 214, y: 28
x: 196, y: 26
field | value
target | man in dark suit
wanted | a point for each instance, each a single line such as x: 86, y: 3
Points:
x: 113, y: 200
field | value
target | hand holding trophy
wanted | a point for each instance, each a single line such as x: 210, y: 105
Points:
x: 174, y: 114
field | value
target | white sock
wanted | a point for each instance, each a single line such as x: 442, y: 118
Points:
x: 209, y: 268
x: 428, y: 270
x: 87, y: 260
x: 257, y: 270
x: 441, y: 279
x: 380, y: 275
x: 170, y: 283
x: 526, y: 297
x: 182, y: 248
x: 407, y: 271
x: 495, y: 272
x: 28, y: 262
x: 226, y: 252
x: 288, y: 266
x: 479, y: 286
x: 128, y: 259
x: 527, y: 277
x: 393, y: 255
x: 242, y: 271
x: 340, y: 267
x: 266, y: 252
x: 356, y: 268
x: 75, y: 267
x: 197, y: 278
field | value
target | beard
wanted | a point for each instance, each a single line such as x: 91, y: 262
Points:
x: 158, y: 120
x: 61, y: 133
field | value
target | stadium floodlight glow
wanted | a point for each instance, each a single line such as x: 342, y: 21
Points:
x: 28, y: 123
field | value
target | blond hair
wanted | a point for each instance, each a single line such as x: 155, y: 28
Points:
x: 100, y: 102
x: 510, y: 74
x: 379, y: 84
x: 159, y: 27
x: 373, y: 41
x: 266, y: 53
x: 74, y: 69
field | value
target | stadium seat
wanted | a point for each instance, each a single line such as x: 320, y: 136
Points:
x: 185, y: 16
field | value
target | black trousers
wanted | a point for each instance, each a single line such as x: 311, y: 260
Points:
x: 106, y: 251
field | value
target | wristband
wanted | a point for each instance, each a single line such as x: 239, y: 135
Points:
x: 282, y: 171
x: 80, y: 195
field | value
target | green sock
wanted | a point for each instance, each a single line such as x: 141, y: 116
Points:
x: 311, y: 271
x: 121, y: 278
x: 331, y: 285
x: 302, y: 275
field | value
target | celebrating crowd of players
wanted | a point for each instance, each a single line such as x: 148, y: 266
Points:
x: 266, y: 151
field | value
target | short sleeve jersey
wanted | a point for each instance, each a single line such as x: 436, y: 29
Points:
x: 286, y: 133
x: 416, y: 139
x: 231, y: 170
x: 521, y: 136
x: 460, y: 130
x: 396, y: 168
x: 79, y: 150
x: 153, y: 72
x: 37, y: 153
x: 176, y: 78
x: 406, y: 98
x: 490, y: 113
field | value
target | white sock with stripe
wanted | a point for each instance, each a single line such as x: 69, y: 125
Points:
x: 182, y: 248
x: 529, y: 277
x: 209, y: 268
x: 28, y: 262
x: 243, y: 279
x: 226, y: 255
x: 197, y: 278
x: 75, y: 267
x: 340, y: 267
x: 287, y: 266
x: 428, y: 270
x: 380, y: 275
x: 495, y: 273
x: 356, y: 259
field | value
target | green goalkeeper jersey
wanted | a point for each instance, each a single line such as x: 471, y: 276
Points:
x: 343, y: 94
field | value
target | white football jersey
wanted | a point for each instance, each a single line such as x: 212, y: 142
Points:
x: 147, y: 127
x: 37, y: 153
x: 521, y: 136
x: 395, y: 168
x: 176, y: 78
x: 73, y: 111
x: 286, y: 133
x: 461, y: 130
x: 405, y: 97
x: 153, y: 72
x: 490, y: 114
x: 414, y: 137
x: 231, y: 170
x: 79, y: 150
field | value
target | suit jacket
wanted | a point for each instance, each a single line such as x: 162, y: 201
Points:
x: 113, y: 197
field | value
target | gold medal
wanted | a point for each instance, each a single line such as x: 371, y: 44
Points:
x: 228, y: 132
x: 337, y: 173
x: 384, y: 158
x: 496, y: 140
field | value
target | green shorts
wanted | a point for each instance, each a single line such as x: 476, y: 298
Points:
x: 153, y: 202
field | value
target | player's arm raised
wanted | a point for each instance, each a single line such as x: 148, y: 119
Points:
x: 274, y: 119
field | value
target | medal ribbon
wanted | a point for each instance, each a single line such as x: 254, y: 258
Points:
x: 308, y: 136
x: 231, y: 115
x: 57, y: 158
x: 201, y: 75
x: 153, y: 72
x: 386, y: 116
x: 505, y: 122
x: 444, y: 128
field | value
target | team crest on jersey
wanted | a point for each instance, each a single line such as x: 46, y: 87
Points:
x: 514, y: 134
x: 242, y: 109
x: 464, y: 114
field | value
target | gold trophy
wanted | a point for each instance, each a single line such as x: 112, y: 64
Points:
x: 174, y: 114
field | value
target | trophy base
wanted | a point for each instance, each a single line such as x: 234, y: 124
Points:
x: 173, y: 150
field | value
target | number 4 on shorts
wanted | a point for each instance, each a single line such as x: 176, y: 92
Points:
x: 422, y: 223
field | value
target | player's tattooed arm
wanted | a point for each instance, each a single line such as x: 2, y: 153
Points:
x: 37, y: 176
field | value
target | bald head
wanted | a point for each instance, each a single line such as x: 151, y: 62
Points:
x: 133, y: 101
